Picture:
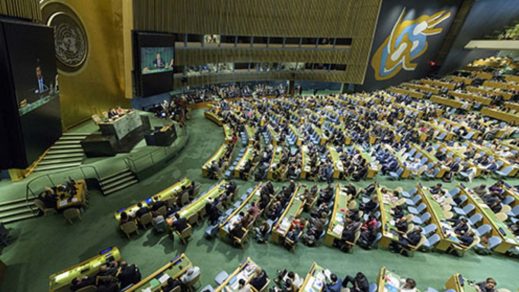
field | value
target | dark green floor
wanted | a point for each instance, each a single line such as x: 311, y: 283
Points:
x: 47, y: 245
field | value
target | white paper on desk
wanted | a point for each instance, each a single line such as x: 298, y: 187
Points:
x: 146, y: 290
x: 163, y: 278
x: 338, y: 229
x: 318, y: 284
x: 327, y: 273
x: 62, y: 203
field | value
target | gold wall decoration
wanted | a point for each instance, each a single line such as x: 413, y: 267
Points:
x: 99, y: 83
x: 406, y: 42
x: 353, y: 19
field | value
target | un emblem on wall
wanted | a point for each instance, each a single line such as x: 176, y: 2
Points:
x: 69, y: 36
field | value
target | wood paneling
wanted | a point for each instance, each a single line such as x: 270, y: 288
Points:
x: 284, y: 18
x: 28, y: 9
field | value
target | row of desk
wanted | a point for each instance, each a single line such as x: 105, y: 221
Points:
x: 216, y: 156
x: 336, y: 225
x: 510, y: 118
x: 448, y: 239
x: 193, y: 209
x: 253, y: 197
x: 499, y: 228
x: 60, y: 281
x: 171, y: 192
x: 292, y: 211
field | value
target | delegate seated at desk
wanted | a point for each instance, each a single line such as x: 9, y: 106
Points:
x: 260, y: 280
x: 180, y: 223
x: 49, y: 198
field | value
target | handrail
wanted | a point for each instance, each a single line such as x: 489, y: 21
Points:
x: 82, y: 168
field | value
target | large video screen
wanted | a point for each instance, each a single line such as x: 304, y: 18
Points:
x: 157, y: 60
x: 154, y: 63
x: 34, y: 106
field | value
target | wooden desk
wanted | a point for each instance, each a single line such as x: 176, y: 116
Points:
x: 219, y: 153
x: 472, y: 97
x: 158, y: 279
x: 60, y: 281
x: 292, y: 211
x: 121, y: 126
x: 400, y: 158
x: 255, y: 196
x: 246, y: 271
x: 389, y: 279
x: 450, y: 102
x: 454, y: 283
x: 372, y: 169
x: 305, y: 162
x: 411, y: 93
x: 490, y: 91
x: 248, y: 155
x: 197, y: 205
x: 171, y: 192
x: 213, y: 117
x: 274, y: 161
x: 387, y: 226
x: 439, y: 219
x: 336, y: 225
x: 315, y: 280
x: 438, y: 83
x: 513, y: 119
x: 338, y: 167
x: 76, y: 200
x: 499, y: 228
x: 431, y: 158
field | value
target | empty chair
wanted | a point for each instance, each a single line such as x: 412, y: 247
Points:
x: 493, y: 242
x: 373, y: 287
x: 475, y: 219
x: 129, y: 228
x: 483, y: 229
x: 505, y: 171
x: 397, y: 173
x: 193, y: 219
x: 184, y: 199
x: 465, y: 211
x: 427, y: 230
x: 418, y: 210
x: 508, y: 200
x: 146, y: 219
x: 469, y: 135
x: 71, y: 214
x: 432, y: 241
x: 185, y: 234
x: 423, y: 219
x: 221, y: 277
x: 463, y: 199
x: 514, y: 212
x: 454, y: 192
x: 413, y: 201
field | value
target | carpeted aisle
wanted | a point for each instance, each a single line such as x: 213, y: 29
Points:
x: 48, y: 244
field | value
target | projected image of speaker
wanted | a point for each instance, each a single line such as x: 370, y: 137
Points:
x: 154, y: 62
x: 30, y: 92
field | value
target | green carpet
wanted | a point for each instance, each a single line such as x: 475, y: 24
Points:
x: 48, y: 244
